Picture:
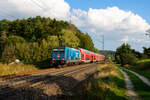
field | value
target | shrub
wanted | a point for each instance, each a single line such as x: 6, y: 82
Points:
x: 124, y: 55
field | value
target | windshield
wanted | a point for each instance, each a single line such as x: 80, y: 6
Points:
x: 58, y: 50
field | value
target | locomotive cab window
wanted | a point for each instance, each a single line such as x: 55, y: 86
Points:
x: 58, y: 50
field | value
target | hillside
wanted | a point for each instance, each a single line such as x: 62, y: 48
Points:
x: 31, y: 40
x: 107, y: 52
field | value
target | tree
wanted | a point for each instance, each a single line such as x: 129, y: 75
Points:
x: 9, y: 54
x: 70, y: 38
x: 124, y: 55
x: 88, y: 43
x: 147, y: 51
x: 14, y: 40
x: 137, y: 54
x: 53, y: 41
x: 32, y: 39
x: 148, y: 32
x: 85, y: 41
x: 3, y: 38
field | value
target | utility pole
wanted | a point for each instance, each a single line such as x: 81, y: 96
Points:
x: 102, y: 42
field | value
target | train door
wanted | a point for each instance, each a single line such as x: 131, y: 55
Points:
x: 68, y: 54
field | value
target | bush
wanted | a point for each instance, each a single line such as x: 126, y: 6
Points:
x: 8, y: 54
x: 124, y: 55
x: 132, y: 60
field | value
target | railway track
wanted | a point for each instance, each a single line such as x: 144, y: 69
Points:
x: 28, y: 78
x: 10, y: 87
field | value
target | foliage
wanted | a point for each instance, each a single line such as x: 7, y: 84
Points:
x: 14, y: 40
x: 31, y: 40
x: 148, y: 32
x: 124, y: 55
x: 85, y: 41
x: 137, y: 54
x: 14, y: 69
x: 143, y: 65
x: 140, y: 87
x: 147, y: 52
x: 106, y: 84
x: 70, y: 38
x: 9, y: 53
x: 145, y: 74
x: 3, y: 38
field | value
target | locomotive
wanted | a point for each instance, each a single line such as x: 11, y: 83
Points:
x: 69, y: 56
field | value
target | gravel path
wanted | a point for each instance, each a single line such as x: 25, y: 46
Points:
x: 145, y: 80
x: 131, y: 94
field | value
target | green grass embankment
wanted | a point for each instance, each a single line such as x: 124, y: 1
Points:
x: 143, y: 65
x: 107, y: 84
x: 145, y: 74
x: 14, y: 69
x: 139, y: 86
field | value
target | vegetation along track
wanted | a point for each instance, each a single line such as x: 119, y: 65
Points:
x: 9, y: 88
x: 141, y: 84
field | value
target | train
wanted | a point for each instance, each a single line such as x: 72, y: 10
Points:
x: 70, y: 56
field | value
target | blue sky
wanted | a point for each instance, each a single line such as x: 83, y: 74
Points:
x: 140, y: 7
x: 121, y: 21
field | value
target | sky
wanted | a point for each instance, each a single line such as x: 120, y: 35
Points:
x: 120, y: 21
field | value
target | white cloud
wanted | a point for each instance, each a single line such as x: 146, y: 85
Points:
x: 79, y: 17
x: 111, y: 19
x: 50, y: 8
x: 137, y: 40
x: 125, y: 39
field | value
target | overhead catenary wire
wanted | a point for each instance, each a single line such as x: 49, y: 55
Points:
x: 98, y: 40
x: 38, y: 4
x: 2, y: 15
x: 7, y: 13
x: 45, y: 5
x: 4, y: 12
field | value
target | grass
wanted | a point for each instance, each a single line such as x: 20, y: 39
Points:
x: 140, y: 88
x: 145, y: 74
x: 107, y: 84
x: 14, y: 69
x: 143, y: 65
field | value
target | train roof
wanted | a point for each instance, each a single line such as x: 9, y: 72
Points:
x: 87, y: 51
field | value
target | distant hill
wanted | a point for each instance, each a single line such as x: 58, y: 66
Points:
x: 107, y: 53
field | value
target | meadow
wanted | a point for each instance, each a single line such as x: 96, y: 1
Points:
x: 14, y: 69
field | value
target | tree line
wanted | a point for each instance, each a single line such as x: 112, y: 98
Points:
x: 125, y: 55
x: 31, y: 40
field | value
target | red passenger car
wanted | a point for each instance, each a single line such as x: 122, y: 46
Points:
x: 86, y: 56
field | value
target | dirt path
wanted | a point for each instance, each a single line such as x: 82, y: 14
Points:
x: 145, y: 80
x: 131, y: 94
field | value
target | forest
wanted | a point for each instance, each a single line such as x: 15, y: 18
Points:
x: 31, y: 40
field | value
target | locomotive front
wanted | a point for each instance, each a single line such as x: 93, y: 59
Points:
x: 58, y: 56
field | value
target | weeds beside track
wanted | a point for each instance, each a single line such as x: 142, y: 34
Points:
x: 107, y: 84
